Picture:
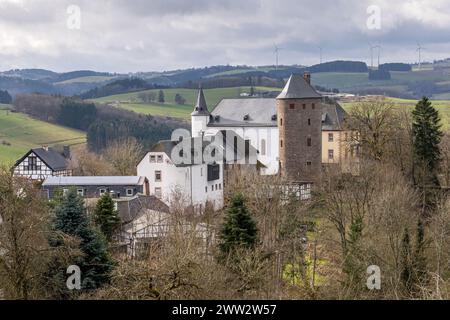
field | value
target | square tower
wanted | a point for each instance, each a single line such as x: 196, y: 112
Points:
x: 299, y: 110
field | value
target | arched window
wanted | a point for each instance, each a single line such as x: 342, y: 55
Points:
x: 263, y: 147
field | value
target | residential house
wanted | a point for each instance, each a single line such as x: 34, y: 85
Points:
x: 41, y: 163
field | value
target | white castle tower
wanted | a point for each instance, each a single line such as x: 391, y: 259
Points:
x: 200, y: 116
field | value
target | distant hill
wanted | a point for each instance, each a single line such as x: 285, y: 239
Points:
x: 31, y: 74
x: 78, y: 74
x: 117, y: 87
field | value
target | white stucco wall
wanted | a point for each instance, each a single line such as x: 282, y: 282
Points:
x: 189, y: 182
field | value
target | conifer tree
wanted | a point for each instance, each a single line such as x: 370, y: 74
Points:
x: 71, y: 219
x: 427, y: 134
x: 105, y: 216
x: 161, y: 98
x: 239, y: 229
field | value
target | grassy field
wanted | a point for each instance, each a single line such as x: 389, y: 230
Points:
x: 131, y: 101
x: 443, y: 107
x: 19, y: 133
x: 88, y: 79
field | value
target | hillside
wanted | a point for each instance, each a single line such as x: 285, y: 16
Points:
x: 132, y: 101
x: 442, y: 106
x: 19, y: 132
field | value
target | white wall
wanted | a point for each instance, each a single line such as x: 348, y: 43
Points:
x: 198, y: 124
x: 256, y: 135
x: 41, y: 174
x: 189, y: 182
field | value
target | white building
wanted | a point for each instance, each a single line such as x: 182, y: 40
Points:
x: 256, y: 121
x: 250, y: 127
x: 192, y: 184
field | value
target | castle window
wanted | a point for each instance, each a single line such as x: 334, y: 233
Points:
x: 331, y: 154
x: 304, y: 106
x: 159, y: 159
x: 158, y: 192
x: 263, y: 147
x: 292, y: 106
x: 281, y: 143
x: 80, y: 192
x: 158, y: 176
x: 152, y: 159
x: 281, y: 122
x: 309, y: 122
x: 308, y: 163
x: 313, y: 105
x: 206, y: 189
x: 330, y: 137
x: 308, y: 141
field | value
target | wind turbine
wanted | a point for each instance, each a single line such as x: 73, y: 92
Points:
x: 320, y: 49
x: 277, y: 49
x: 419, y: 49
x: 371, y: 54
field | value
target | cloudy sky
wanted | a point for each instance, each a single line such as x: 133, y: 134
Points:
x: 146, y: 35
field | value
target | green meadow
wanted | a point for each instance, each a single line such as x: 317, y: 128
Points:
x: 19, y: 133
x: 131, y: 101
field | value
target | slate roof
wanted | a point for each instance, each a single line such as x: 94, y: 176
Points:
x: 260, y: 112
x: 333, y: 117
x: 200, y: 109
x: 298, y: 88
x: 94, y: 181
x: 167, y: 146
x: 130, y: 209
x: 52, y: 158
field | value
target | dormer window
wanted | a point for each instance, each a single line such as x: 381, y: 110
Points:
x: 274, y: 117
x: 217, y: 118
x: 246, y: 117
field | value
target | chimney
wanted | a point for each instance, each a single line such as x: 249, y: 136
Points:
x: 307, y: 77
x: 66, y: 152
x: 45, y: 147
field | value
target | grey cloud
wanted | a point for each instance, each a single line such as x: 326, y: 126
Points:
x: 163, y: 34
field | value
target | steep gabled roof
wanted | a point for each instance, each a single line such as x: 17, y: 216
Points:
x: 53, y: 159
x: 228, y: 147
x: 333, y: 117
x: 298, y: 88
x: 200, y: 109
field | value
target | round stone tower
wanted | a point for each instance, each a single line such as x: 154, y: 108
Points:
x: 299, y: 112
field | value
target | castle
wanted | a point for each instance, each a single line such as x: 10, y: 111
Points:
x: 293, y: 136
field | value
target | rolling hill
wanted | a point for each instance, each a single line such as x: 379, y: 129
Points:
x: 131, y: 101
x: 19, y: 133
